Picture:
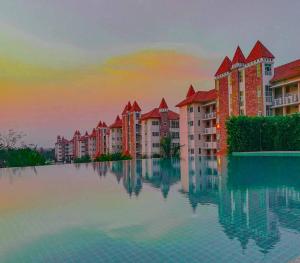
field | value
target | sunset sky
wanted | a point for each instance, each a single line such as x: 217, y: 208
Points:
x: 66, y: 64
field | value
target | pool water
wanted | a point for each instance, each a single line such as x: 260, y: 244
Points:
x: 237, y: 209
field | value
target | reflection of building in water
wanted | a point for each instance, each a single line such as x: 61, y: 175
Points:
x: 199, y: 179
x: 132, y: 177
x: 161, y: 173
x: 117, y: 169
x: 101, y: 168
x: 245, y: 213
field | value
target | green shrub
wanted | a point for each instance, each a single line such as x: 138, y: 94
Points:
x: 112, y: 157
x: 83, y: 159
x: 21, y: 157
x: 275, y: 133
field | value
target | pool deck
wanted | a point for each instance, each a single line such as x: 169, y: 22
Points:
x: 264, y: 154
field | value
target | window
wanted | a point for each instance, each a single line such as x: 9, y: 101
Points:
x: 191, y: 123
x: 155, y: 145
x: 199, y: 136
x: 241, y: 98
x: 199, y: 108
x: 155, y: 123
x: 175, y: 124
x: 191, y: 109
x: 199, y: 123
x: 192, y: 151
x: 175, y: 135
x: 155, y: 133
x: 268, y: 69
x: 191, y: 137
x: 258, y: 92
x: 240, y: 76
x: 199, y: 150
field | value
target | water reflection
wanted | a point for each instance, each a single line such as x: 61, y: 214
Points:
x: 254, y: 198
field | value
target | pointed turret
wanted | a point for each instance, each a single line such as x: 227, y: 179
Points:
x: 163, y: 104
x: 99, y: 124
x: 259, y: 51
x: 135, y: 107
x: 225, y: 67
x: 190, y: 92
x: 238, y: 57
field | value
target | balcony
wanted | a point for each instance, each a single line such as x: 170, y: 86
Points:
x: 210, y: 115
x: 211, y: 130
x: 209, y: 145
x: 286, y: 100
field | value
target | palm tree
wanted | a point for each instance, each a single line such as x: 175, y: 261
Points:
x: 168, y: 149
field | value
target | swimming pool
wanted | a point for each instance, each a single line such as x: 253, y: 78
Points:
x: 237, y: 209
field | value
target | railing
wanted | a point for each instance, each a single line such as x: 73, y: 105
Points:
x: 210, y: 115
x: 210, y: 130
x: 209, y: 145
x: 288, y: 99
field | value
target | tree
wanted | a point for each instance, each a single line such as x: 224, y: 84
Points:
x: 11, y: 139
x: 168, y: 149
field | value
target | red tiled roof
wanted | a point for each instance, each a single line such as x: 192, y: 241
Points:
x: 117, y: 123
x: 104, y: 125
x: 86, y: 134
x: 199, y: 96
x: 156, y: 114
x: 135, y: 107
x: 238, y: 57
x: 191, y: 91
x: 225, y: 66
x: 259, y: 51
x: 287, y: 71
x: 163, y: 104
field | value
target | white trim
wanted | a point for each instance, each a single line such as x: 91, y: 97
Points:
x: 283, y: 83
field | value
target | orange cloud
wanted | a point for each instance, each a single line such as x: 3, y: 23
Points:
x: 47, y: 101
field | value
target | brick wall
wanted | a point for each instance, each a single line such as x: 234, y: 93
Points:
x: 222, y: 112
x: 235, y: 92
x: 253, y: 90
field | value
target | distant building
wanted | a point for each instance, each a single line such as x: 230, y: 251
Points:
x: 131, y: 130
x: 198, y: 123
x: 115, y: 136
x: 157, y: 124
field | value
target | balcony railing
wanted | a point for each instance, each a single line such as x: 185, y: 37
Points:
x: 286, y: 100
x: 210, y: 130
x: 209, y: 145
x: 210, y: 115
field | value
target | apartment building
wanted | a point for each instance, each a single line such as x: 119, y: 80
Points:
x: 131, y: 130
x: 93, y: 144
x: 285, y: 88
x: 157, y: 124
x: 198, y: 123
x: 253, y: 86
x: 115, y: 136
x: 102, y: 139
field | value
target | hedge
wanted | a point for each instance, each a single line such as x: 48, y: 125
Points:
x: 274, y: 133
